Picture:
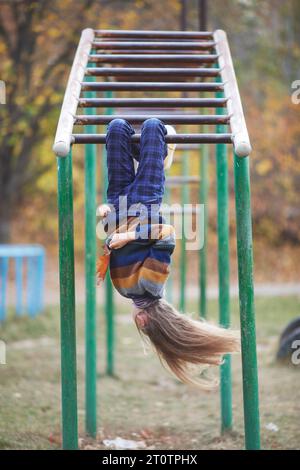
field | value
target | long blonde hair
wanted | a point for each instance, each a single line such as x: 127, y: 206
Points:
x: 182, y: 342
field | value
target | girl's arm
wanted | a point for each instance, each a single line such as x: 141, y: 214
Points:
x: 163, y: 232
x: 121, y: 239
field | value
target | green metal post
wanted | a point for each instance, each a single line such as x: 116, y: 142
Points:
x: 224, y: 273
x: 109, y: 295
x: 203, y: 253
x: 90, y: 284
x: 169, y: 286
x: 110, y: 365
x: 67, y: 303
x: 246, y: 298
x: 183, y: 257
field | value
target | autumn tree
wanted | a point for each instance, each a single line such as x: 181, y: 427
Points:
x: 37, y: 45
x: 38, y: 40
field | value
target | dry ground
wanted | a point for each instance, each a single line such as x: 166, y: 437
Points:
x: 143, y: 402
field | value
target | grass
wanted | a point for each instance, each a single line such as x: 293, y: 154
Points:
x: 142, y: 402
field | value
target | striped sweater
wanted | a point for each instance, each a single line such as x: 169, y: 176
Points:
x: 140, y: 268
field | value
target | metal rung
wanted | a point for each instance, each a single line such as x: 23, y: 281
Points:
x: 151, y: 86
x: 149, y: 112
x: 177, y: 180
x: 138, y: 71
x: 189, y: 58
x: 137, y: 40
x: 176, y: 138
x: 167, y: 118
x: 153, y: 45
x: 157, y: 51
x: 152, y: 102
x: 111, y: 33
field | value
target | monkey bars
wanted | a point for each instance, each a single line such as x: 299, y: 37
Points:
x: 221, y: 59
x: 154, y: 61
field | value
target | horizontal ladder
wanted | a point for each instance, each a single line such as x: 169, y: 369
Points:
x: 153, y: 61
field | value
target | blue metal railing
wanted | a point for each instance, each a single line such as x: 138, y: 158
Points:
x: 28, y: 259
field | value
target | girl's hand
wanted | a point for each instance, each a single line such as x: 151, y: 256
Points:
x: 103, y: 210
x: 121, y: 239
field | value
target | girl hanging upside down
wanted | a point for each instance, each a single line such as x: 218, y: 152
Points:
x: 139, y: 246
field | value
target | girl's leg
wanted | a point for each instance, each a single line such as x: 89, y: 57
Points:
x: 148, y: 185
x: 120, y: 153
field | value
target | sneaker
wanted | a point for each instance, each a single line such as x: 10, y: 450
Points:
x: 171, y: 148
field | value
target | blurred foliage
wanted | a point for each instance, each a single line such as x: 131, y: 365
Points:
x: 264, y: 36
x: 38, y: 40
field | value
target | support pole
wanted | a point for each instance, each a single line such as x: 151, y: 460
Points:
x: 41, y: 279
x: 19, y: 285
x: 109, y: 295
x: 90, y: 283
x: 67, y: 303
x: 183, y: 257
x: 224, y: 278
x: 203, y: 253
x: 4, y: 262
x: 202, y: 11
x: 32, y: 281
x: 170, y: 282
x: 110, y: 325
x: 246, y: 298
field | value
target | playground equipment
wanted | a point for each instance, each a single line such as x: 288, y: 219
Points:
x: 179, y: 56
x: 33, y: 256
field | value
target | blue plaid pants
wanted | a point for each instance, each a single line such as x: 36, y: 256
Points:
x: 147, y: 185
